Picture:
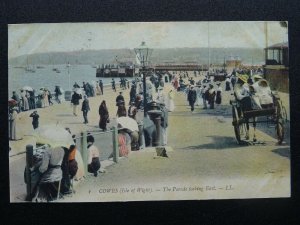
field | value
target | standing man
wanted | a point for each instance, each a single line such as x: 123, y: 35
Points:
x: 75, y: 101
x: 113, y: 85
x: 204, y: 93
x: 218, y: 97
x: 85, y: 108
x: 57, y: 94
x: 132, y: 93
x: 212, y: 94
x: 192, y: 96
x: 101, y: 86
x: 32, y: 99
x: 120, y: 99
x: 35, y: 119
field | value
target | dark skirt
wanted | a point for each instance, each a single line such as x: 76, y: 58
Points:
x: 103, y: 122
x: 218, y: 97
x: 227, y: 86
x: 94, y: 166
x: 73, y: 167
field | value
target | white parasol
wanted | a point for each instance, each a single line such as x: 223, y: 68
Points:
x: 79, y: 91
x: 27, y: 88
x: 53, y: 135
x: 128, y: 123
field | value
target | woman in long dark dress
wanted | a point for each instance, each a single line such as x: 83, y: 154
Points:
x: 104, y: 115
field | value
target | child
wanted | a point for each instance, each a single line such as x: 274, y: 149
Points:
x: 35, y: 119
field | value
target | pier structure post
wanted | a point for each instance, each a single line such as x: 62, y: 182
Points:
x: 84, y: 151
x: 29, y: 155
x: 155, y: 115
x: 141, y: 135
x: 115, y: 144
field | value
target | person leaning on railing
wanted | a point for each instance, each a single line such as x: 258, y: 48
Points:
x: 93, y: 156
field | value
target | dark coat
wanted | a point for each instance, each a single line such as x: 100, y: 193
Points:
x: 75, y: 98
x: 104, y: 116
x: 35, y: 120
x: 192, y: 95
x: 120, y: 98
x: 85, y: 105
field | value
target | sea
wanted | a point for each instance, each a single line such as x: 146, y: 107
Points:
x: 46, y: 77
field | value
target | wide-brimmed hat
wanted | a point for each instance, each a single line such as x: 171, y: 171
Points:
x: 243, y: 78
x: 256, y: 76
x: 263, y: 83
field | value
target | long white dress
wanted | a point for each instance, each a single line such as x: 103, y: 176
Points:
x: 171, y: 105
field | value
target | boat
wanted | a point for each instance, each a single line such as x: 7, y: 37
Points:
x: 29, y: 68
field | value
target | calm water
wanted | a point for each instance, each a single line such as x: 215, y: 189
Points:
x: 46, y: 77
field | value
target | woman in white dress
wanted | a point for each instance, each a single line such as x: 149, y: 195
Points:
x: 171, y: 105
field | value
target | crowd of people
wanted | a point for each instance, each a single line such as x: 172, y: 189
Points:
x: 128, y: 140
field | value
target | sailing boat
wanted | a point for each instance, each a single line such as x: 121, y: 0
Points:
x: 29, y: 68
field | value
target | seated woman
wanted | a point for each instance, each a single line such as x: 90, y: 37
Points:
x: 242, y: 92
x: 264, y: 94
x: 93, y: 157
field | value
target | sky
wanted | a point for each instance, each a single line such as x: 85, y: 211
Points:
x: 63, y: 37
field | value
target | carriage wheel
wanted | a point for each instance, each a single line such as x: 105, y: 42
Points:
x: 284, y: 114
x: 279, y: 132
x: 236, y: 125
x: 280, y: 119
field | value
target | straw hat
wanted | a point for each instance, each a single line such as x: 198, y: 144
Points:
x: 256, y: 76
x: 243, y: 78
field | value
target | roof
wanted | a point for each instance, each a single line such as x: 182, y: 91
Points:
x: 278, y: 46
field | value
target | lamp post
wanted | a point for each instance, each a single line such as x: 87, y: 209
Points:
x: 68, y: 66
x: 143, y: 54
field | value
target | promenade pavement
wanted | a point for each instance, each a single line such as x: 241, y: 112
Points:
x: 204, y: 160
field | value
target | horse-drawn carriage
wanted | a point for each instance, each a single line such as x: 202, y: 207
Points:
x: 274, y: 116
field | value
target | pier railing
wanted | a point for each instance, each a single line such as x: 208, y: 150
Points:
x: 106, y: 142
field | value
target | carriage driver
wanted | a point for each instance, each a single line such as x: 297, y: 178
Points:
x: 242, y: 92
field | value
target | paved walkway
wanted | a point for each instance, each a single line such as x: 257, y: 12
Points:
x: 204, y: 161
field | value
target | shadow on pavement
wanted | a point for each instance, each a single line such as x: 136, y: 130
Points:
x: 218, y: 143
x: 64, y: 115
x: 284, y: 152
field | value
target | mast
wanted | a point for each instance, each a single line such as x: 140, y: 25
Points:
x: 208, y: 44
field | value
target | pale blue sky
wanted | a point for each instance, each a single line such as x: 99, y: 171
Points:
x: 34, y: 38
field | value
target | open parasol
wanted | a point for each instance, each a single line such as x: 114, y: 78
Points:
x: 27, y: 88
x: 128, y: 123
x: 12, y: 102
x: 79, y: 91
x: 53, y: 135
